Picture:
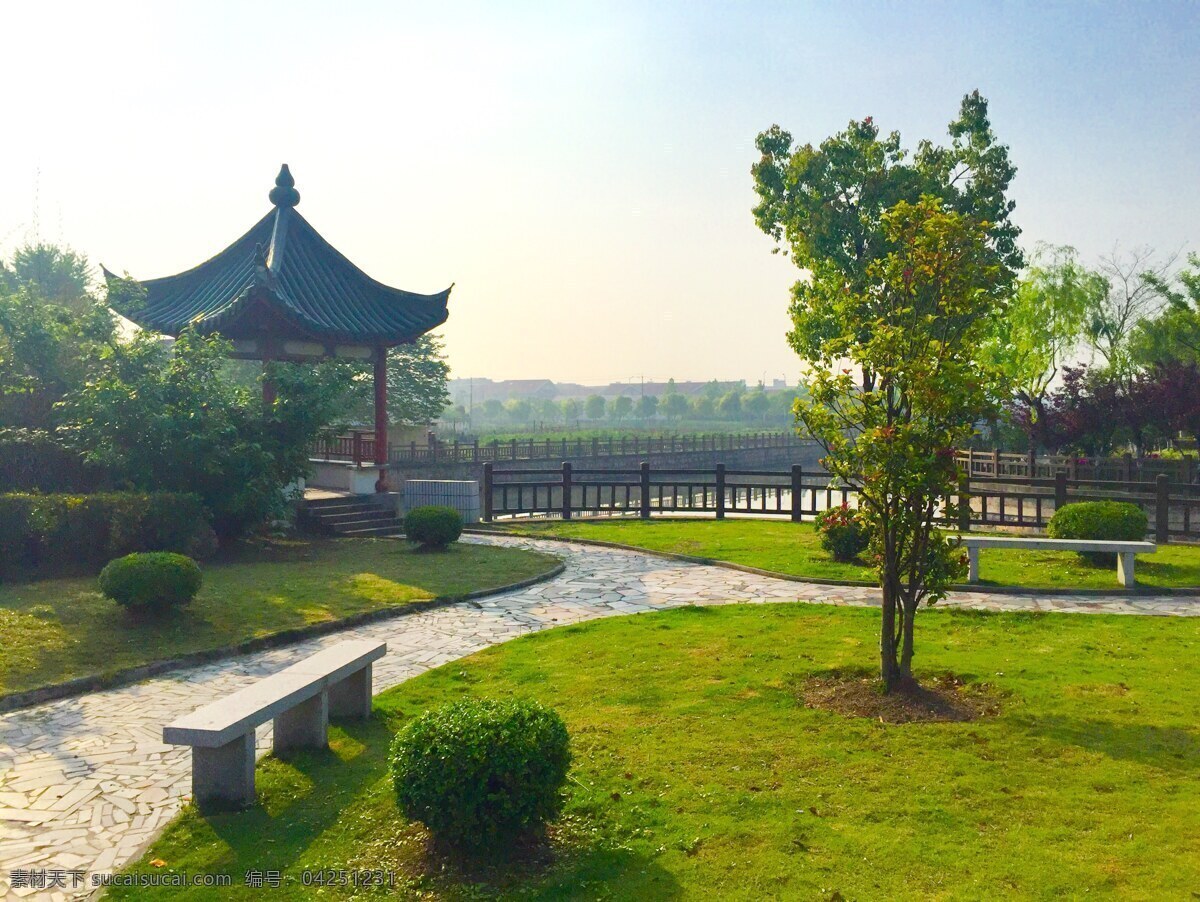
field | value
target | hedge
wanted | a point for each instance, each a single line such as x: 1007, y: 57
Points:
x: 34, y: 460
x: 433, y: 526
x: 46, y: 534
x: 151, y: 581
x: 479, y: 773
x: 1110, y: 520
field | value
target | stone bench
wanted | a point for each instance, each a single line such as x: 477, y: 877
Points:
x: 1123, y: 550
x: 300, y: 699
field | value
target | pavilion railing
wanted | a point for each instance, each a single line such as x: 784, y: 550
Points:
x: 359, y: 447
x: 565, y: 492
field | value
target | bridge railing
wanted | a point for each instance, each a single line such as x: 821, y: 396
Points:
x: 1125, y: 468
x: 358, y: 447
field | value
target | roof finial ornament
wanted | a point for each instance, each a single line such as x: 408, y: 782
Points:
x: 284, y: 194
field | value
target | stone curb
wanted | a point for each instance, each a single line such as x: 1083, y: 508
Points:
x: 82, y: 685
x: 974, y: 589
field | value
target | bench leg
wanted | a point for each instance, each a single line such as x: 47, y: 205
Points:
x: 304, y: 726
x: 223, y: 777
x: 1125, y: 569
x: 972, y: 565
x: 351, y: 697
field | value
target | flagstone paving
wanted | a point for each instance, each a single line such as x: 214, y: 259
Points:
x: 86, y: 782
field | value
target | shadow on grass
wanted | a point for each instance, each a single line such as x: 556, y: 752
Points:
x: 1168, y: 748
x: 606, y: 874
x: 302, y: 796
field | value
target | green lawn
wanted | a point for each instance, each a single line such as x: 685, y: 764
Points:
x: 792, y: 549
x: 57, y: 629
x: 697, y: 773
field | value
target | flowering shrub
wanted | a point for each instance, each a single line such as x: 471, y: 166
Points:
x: 843, y: 533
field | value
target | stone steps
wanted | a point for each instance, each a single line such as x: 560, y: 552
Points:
x: 348, y: 516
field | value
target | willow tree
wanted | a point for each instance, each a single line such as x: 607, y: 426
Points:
x: 1046, y: 319
x: 917, y: 321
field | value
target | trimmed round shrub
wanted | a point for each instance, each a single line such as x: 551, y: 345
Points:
x: 1112, y: 520
x: 433, y: 526
x: 843, y: 533
x: 480, y: 773
x: 151, y: 580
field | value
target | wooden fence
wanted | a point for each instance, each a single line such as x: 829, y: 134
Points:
x: 1173, y: 509
x: 359, y: 447
x: 1127, y: 468
x: 567, y: 492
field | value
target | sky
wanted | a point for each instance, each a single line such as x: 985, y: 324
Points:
x: 579, y: 171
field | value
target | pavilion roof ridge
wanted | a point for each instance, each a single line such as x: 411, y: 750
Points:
x: 290, y: 268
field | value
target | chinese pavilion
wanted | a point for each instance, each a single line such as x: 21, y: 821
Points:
x: 282, y: 292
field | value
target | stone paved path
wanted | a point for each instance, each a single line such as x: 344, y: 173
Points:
x: 86, y: 782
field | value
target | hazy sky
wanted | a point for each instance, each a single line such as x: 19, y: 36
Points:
x: 581, y: 171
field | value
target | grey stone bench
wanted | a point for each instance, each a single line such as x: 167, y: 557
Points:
x: 300, y: 699
x: 1123, y: 550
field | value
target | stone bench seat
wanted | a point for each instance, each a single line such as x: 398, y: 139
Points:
x: 300, y: 699
x: 1124, y: 551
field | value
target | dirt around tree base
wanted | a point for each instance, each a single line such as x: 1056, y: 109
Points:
x: 941, y: 698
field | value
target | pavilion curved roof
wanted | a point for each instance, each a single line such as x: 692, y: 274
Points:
x: 282, y: 276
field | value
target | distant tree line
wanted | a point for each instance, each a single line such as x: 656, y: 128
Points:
x: 715, y: 406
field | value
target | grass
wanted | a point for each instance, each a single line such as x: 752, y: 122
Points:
x: 58, y: 629
x: 698, y: 772
x: 793, y: 549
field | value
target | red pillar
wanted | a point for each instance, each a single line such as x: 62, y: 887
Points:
x: 381, y: 421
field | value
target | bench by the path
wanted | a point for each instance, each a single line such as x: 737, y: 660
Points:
x: 300, y: 699
x: 1124, y: 551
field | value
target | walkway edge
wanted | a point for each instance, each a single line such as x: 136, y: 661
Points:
x: 974, y: 588
x: 27, y: 698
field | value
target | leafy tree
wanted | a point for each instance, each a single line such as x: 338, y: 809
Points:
x: 783, y: 406
x: 594, y: 407
x: 547, y: 410
x: 730, y: 405
x: 455, y: 415
x: 53, y: 274
x: 647, y: 407
x: 570, y: 411
x: 53, y: 333
x: 704, y: 407
x: 1134, y: 293
x: 519, y: 410
x: 1174, y: 335
x: 827, y: 205
x: 418, y: 377
x: 621, y: 408
x: 927, y: 306
x: 1044, y: 322
x: 756, y: 404
x: 1100, y: 411
x: 493, y: 408
x: 46, y: 350
x: 165, y: 418
x: 673, y: 405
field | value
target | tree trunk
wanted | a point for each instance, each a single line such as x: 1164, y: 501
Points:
x: 889, y: 668
x: 906, y: 645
